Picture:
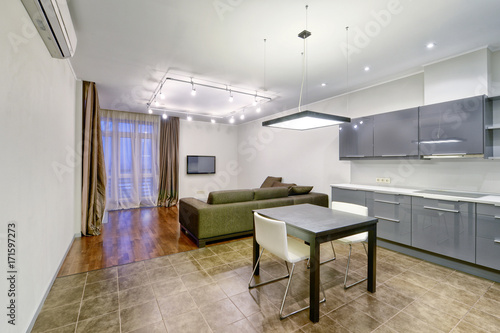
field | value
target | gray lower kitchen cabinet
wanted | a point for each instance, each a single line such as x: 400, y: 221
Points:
x: 452, y: 128
x: 394, y: 216
x: 488, y: 236
x: 356, y: 138
x: 395, y: 134
x: 350, y: 196
x: 444, y: 227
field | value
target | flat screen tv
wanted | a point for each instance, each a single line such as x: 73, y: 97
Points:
x: 197, y: 165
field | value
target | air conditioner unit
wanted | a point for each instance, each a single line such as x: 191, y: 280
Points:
x: 53, y: 22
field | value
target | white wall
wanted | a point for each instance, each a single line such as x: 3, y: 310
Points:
x: 467, y: 175
x: 303, y: 158
x: 37, y: 133
x: 459, y: 77
x: 495, y: 74
x: 201, y: 138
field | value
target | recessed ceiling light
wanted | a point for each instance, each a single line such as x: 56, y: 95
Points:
x: 323, y: 84
x: 156, y: 103
x: 212, y: 121
x: 242, y: 117
x: 164, y: 116
x: 189, y: 118
x: 367, y: 68
x: 231, y: 120
x: 431, y: 45
x: 258, y: 109
x: 150, y: 111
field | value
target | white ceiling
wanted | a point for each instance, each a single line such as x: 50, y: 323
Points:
x: 128, y: 46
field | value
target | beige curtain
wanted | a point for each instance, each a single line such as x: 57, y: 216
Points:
x: 93, y: 171
x: 168, y: 193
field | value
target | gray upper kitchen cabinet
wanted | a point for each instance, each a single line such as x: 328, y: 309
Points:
x: 395, y: 134
x: 452, y: 128
x: 356, y: 138
x: 444, y: 227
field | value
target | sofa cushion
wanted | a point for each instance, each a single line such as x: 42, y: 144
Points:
x: 270, y: 193
x: 229, y: 196
x: 310, y: 198
x: 300, y: 190
x: 269, y: 181
x: 287, y: 185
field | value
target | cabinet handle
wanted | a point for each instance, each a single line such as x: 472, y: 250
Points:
x: 497, y: 217
x: 396, y: 155
x: 442, y: 209
x: 449, y: 154
x: 355, y: 156
x: 497, y: 241
x: 386, y: 218
x: 388, y: 202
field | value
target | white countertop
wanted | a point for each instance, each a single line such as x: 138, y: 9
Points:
x: 487, y: 198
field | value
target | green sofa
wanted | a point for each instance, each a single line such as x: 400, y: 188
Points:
x: 228, y: 214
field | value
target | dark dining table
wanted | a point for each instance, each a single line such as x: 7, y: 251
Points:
x: 316, y: 225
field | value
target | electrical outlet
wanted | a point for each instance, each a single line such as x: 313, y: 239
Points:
x: 387, y: 180
x: 379, y: 180
x: 383, y: 180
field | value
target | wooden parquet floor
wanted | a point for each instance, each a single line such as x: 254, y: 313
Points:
x: 130, y: 235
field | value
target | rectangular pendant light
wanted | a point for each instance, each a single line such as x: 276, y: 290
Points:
x: 306, y: 120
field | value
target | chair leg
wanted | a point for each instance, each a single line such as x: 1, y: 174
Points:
x: 250, y: 286
x: 347, y: 270
x: 286, y: 293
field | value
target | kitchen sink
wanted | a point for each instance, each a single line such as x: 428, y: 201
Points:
x: 456, y: 194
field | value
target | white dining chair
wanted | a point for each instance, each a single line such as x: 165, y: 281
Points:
x: 349, y: 240
x: 271, y: 235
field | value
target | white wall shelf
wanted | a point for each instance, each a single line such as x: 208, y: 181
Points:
x: 492, y: 129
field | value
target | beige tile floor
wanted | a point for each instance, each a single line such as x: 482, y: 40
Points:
x: 206, y: 290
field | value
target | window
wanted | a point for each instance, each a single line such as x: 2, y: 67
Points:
x: 131, y: 156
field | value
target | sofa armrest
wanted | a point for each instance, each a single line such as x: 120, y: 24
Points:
x: 204, y: 221
x: 189, y: 214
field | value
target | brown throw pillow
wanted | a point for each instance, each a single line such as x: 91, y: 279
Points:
x: 295, y: 190
x: 269, y: 181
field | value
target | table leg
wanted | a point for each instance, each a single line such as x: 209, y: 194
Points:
x: 314, y: 283
x: 256, y: 250
x: 372, y: 259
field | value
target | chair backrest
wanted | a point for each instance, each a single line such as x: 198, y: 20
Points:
x: 350, y: 208
x: 271, y: 235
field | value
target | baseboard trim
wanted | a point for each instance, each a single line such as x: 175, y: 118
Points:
x: 33, y: 320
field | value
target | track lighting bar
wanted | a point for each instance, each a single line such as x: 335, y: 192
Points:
x: 219, y: 88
